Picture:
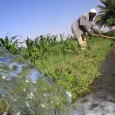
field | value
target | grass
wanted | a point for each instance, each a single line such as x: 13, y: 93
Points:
x: 63, y: 61
x: 67, y: 66
x: 75, y: 72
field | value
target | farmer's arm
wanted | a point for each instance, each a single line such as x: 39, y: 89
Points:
x: 96, y: 31
x: 86, y: 30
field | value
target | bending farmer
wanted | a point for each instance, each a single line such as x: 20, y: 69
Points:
x: 82, y: 26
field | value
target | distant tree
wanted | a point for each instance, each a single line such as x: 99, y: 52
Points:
x: 106, y: 15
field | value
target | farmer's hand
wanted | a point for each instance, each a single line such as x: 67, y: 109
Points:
x: 96, y: 31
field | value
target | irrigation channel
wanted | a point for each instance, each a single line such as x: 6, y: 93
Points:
x: 27, y: 91
x: 102, y: 99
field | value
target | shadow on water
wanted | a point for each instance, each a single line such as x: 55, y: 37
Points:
x: 102, y: 99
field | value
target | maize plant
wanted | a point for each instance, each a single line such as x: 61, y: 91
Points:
x: 10, y: 44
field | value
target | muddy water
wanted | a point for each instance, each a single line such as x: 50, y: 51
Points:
x: 102, y: 99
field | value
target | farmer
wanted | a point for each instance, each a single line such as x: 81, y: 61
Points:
x: 82, y: 26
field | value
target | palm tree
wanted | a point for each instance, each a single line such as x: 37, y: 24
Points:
x: 106, y: 15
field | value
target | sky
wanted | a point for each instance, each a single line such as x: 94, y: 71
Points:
x: 32, y: 18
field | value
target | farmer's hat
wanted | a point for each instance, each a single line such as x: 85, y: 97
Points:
x: 92, y: 11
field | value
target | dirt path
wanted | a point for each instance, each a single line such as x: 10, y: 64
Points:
x: 102, y: 99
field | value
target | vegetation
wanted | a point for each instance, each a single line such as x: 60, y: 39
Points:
x: 106, y: 15
x: 110, y: 33
x: 63, y: 61
x: 10, y: 44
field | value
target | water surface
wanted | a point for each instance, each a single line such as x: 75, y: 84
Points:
x: 27, y: 91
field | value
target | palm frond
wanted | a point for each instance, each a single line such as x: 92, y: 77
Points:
x: 106, y: 12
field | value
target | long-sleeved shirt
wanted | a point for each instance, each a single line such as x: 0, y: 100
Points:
x: 82, y: 21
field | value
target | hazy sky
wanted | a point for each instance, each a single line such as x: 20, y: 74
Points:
x: 40, y: 17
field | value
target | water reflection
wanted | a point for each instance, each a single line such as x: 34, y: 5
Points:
x: 26, y: 91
